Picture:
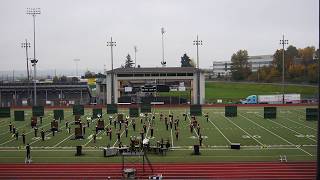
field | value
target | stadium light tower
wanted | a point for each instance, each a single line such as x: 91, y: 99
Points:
x: 27, y: 45
x: 34, y: 12
x: 163, y: 63
x: 76, y: 61
x: 135, y: 55
x: 283, y: 42
x: 197, y: 43
x: 111, y: 44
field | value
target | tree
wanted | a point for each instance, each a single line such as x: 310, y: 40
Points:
x: 55, y: 79
x: 75, y: 79
x: 292, y: 51
x: 317, y: 54
x: 277, y: 60
x: 313, y: 73
x: 289, y: 55
x: 307, y: 55
x: 128, y: 62
x: 296, y: 71
x: 89, y: 74
x: 186, y: 61
x: 240, y: 67
x: 63, y: 79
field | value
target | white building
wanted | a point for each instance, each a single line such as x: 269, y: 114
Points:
x: 223, y: 68
x: 257, y: 62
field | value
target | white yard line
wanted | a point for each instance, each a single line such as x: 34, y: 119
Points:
x: 299, y: 123
x: 97, y: 134
x: 275, y: 134
x: 63, y: 140
x: 122, y: 133
x: 22, y: 126
x: 193, y: 127
x: 25, y: 134
x: 172, y: 139
x: 90, y: 140
x: 229, y: 120
x: 219, y: 131
x: 176, y: 149
x: 86, y: 114
x: 287, y: 128
x: 38, y: 139
x: 171, y: 133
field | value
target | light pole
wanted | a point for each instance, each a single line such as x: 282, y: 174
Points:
x: 34, y: 12
x: 163, y: 63
x: 197, y: 43
x: 135, y: 55
x: 283, y: 42
x: 26, y: 45
x: 111, y: 44
x: 76, y: 61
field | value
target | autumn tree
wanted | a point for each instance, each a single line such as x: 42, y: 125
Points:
x: 296, y: 70
x: 313, y: 73
x: 240, y: 67
x: 307, y: 55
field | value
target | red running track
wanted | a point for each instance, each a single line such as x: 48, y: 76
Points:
x: 256, y: 170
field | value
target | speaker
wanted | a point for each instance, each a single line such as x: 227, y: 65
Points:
x: 79, y: 151
x: 78, y: 133
x: 270, y: 112
x: 235, y: 146
x: 230, y: 111
x: 196, y: 149
x: 311, y: 114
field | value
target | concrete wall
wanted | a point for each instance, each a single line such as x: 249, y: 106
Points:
x: 193, y: 85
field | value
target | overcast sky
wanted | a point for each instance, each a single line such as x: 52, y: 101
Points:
x: 79, y: 29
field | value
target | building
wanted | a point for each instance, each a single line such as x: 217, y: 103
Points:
x: 151, y: 85
x: 21, y: 94
x: 223, y: 68
x: 257, y: 62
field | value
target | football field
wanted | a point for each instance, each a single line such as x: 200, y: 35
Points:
x: 290, y: 135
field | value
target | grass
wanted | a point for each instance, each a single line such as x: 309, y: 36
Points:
x: 236, y: 91
x: 261, y: 139
x: 230, y: 91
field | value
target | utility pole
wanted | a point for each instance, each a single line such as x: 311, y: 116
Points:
x: 135, y: 55
x: 163, y: 63
x: 111, y: 44
x: 258, y: 71
x: 27, y: 45
x: 197, y: 43
x: 34, y: 12
x: 283, y: 42
x: 76, y: 61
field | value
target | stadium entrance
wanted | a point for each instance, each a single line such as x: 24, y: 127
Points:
x: 166, y: 85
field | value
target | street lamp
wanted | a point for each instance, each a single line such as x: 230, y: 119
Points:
x: 163, y: 63
x: 34, y: 12
x: 283, y: 42
x: 111, y: 44
x: 76, y: 61
x: 135, y: 55
x: 197, y: 43
x: 26, y: 45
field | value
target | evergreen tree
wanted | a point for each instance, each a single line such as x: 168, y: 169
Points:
x: 129, y: 62
x: 186, y: 61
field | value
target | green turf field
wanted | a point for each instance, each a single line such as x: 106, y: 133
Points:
x: 261, y: 139
x: 230, y: 91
